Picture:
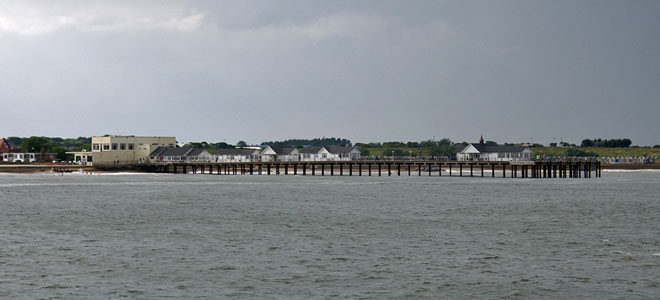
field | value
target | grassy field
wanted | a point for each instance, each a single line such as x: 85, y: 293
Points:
x: 602, y: 152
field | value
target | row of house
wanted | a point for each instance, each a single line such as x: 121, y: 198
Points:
x: 124, y: 150
x: 121, y: 150
x: 329, y: 153
x: 267, y: 154
x: 12, y: 153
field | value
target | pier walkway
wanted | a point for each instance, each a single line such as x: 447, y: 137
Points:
x: 526, y: 169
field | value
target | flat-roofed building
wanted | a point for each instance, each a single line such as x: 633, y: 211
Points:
x: 112, y: 150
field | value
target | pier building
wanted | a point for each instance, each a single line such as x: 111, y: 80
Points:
x: 493, y: 152
x: 122, y: 150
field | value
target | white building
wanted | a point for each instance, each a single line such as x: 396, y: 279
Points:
x: 112, y: 150
x: 237, y: 155
x: 184, y: 154
x: 330, y: 153
x: 19, y: 157
x: 275, y: 153
x: 314, y: 154
x: 485, y: 152
x: 343, y: 153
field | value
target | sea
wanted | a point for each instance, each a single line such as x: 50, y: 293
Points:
x: 174, y: 236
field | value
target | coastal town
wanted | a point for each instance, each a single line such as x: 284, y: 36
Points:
x: 116, y: 151
x: 120, y: 150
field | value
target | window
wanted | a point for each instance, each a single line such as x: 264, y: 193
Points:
x: 96, y: 147
x: 131, y: 146
x: 171, y: 145
x: 106, y: 147
x: 122, y: 146
x: 114, y: 146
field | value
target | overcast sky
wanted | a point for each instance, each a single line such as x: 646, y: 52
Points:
x: 513, y: 71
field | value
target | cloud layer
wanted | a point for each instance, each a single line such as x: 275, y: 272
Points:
x: 367, y: 70
x: 34, y: 19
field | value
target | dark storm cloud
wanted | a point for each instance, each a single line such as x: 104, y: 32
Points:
x: 364, y: 70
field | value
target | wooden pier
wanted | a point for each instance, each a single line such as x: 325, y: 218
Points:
x: 528, y: 169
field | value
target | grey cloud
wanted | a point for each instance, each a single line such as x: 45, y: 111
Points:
x: 364, y: 70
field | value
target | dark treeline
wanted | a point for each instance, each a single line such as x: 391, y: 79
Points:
x: 443, y: 147
x: 206, y: 145
x: 317, y: 142
x: 615, y: 143
x: 211, y: 147
x: 53, y: 141
x: 422, y: 144
x: 572, y: 152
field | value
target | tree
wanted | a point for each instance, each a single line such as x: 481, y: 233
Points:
x: 364, y: 151
x: 427, y: 144
x: 36, y: 144
x: 443, y: 150
x: 391, y: 151
x: 616, y: 143
x: 241, y: 144
x: 554, y: 145
x: 444, y: 141
x: 571, y: 152
x: 492, y: 143
x: 626, y: 143
x: 61, y: 153
x: 317, y: 142
x: 14, y: 140
x: 394, y: 144
x: 222, y: 145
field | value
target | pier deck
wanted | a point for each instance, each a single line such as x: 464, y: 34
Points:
x: 523, y: 169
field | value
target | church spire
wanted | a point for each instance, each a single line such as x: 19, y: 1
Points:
x: 481, y: 140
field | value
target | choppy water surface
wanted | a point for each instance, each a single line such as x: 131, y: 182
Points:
x: 293, y: 237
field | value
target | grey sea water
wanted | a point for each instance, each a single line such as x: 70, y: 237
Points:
x: 151, y: 236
